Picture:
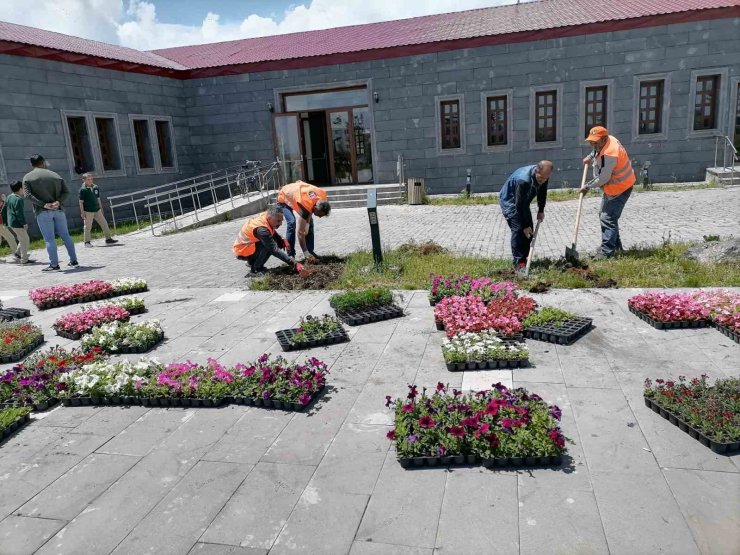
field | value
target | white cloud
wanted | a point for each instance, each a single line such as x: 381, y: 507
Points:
x: 136, y: 25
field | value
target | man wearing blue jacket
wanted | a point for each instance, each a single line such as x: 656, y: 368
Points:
x: 515, y: 197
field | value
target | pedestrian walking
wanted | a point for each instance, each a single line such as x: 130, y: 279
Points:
x: 5, y: 232
x: 47, y: 192
x: 91, y: 209
x: 15, y: 218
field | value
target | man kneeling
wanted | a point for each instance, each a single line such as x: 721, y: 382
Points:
x: 258, y: 240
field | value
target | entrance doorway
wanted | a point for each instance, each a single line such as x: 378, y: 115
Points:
x: 325, y: 137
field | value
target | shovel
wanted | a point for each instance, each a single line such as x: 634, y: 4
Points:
x: 531, y: 249
x: 571, y: 254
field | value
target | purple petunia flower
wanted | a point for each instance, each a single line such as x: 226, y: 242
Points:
x: 412, y: 438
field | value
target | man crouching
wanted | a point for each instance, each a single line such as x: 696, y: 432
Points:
x: 258, y: 240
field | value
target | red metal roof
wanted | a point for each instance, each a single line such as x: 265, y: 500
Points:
x: 512, y: 23
x: 485, y: 22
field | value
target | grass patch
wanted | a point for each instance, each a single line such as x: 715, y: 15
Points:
x: 559, y: 195
x: 662, y: 266
x: 78, y: 236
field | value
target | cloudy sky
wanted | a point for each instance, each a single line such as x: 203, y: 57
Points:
x: 150, y: 24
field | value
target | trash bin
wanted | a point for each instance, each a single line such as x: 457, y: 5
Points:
x: 415, y: 190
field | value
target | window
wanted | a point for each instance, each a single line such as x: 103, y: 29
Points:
x: 450, y: 118
x: 108, y: 142
x: 546, y: 114
x: 79, y: 140
x: 154, y: 143
x: 651, y: 107
x: 705, y: 102
x: 596, y: 106
x: 450, y: 124
x: 497, y: 120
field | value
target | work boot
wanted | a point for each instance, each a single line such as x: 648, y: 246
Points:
x: 111, y: 241
x: 88, y: 244
x: 51, y: 268
x: 73, y: 263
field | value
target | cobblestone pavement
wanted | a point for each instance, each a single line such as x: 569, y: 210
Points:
x: 202, y: 257
x: 244, y: 480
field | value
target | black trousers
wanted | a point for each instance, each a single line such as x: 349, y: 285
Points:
x: 519, y: 242
x: 257, y: 260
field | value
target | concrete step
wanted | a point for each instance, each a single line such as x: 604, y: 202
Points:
x: 363, y: 196
x: 723, y: 176
x: 362, y: 203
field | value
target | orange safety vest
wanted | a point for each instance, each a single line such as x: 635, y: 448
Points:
x: 305, y: 194
x: 623, y: 176
x: 246, y: 240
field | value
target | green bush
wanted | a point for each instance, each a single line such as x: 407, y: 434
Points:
x: 359, y: 300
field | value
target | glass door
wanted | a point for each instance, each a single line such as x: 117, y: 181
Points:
x: 288, y: 146
x: 363, y: 148
x: 341, y: 149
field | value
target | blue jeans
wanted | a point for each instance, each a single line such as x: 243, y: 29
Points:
x: 519, y: 242
x: 51, y: 223
x: 611, y: 210
x: 290, y: 233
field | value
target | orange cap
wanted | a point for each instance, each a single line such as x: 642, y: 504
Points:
x: 597, y: 133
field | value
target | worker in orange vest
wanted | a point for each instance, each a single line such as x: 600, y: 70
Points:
x: 258, y: 240
x: 612, y: 172
x: 300, y: 202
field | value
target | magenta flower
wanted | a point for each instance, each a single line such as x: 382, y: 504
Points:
x: 426, y: 422
x: 555, y: 412
x: 409, y: 407
x: 391, y: 435
x: 456, y: 431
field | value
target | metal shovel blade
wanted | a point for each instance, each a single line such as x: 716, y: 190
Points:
x: 571, y: 254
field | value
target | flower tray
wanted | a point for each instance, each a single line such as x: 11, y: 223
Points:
x: 135, y: 350
x: 91, y: 298
x: 40, y: 407
x: 498, y: 462
x: 679, y: 324
x: 142, y: 401
x: 283, y: 337
x: 486, y: 365
x: 21, y: 354
x: 135, y: 311
x: 568, y: 332
x: 14, y: 426
x: 724, y: 330
x: 369, y: 315
x: 720, y: 448
x: 8, y: 314
x: 76, y: 336
x: 276, y: 404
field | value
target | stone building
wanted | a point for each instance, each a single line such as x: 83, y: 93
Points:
x: 488, y: 89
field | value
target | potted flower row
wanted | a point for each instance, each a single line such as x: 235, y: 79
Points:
x: 17, y: 339
x: 469, y: 313
x: 61, y: 295
x: 12, y: 419
x: 364, y: 306
x: 133, y: 305
x: 555, y: 326
x: 35, y: 381
x: 266, y: 382
x: 666, y: 311
x: 312, y: 331
x: 484, y: 288
x: 74, y: 325
x: 124, y: 337
x: 497, y: 427
x: 483, y: 350
x: 724, y: 310
x: 708, y: 413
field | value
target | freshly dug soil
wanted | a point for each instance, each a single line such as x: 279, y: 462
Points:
x: 283, y: 278
x: 540, y: 287
x: 422, y: 249
x: 588, y: 275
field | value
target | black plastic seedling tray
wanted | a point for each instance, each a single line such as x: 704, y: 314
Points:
x: 136, y: 350
x: 283, y: 337
x: 566, y: 333
x: 22, y: 354
x: 720, y: 448
x: 680, y: 324
x: 8, y: 314
x: 36, y: 407
x: 486, y: 365
x: 724, y: 330
x: 13, y: 427
x: 497, y: 462
x: 370, y: 314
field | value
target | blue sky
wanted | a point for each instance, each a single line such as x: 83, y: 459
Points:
x: 192, y: 12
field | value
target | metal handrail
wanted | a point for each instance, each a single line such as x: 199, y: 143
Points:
x: 223, y: 185
x: 726, y: 142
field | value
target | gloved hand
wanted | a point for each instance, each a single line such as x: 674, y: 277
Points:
x: 298, y: 267
x: 286, y: 245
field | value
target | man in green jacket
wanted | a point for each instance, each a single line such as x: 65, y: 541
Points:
x: 47, y: 192
x: 4, y: 229
x: 15, y: 218
x: 91, y: 209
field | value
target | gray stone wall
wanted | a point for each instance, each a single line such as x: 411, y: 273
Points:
x: 229, y: 121
x: 33, y: 93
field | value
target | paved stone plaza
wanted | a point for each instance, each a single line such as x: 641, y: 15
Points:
x: 240, y: 480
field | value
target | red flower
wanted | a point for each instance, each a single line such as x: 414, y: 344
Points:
x: 391, y: 435
x: 426, y: 422
x: 492, y: 440
x: 408, y: 408
x: 412, y: 392
x: 456, y: 431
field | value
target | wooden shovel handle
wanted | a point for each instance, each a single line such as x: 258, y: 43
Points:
x: 580, y: 204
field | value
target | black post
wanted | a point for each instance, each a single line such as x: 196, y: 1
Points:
x: 467, y: 184
x: 372, y: 213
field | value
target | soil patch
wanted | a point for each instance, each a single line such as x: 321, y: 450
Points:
x: 422, y: 249
x: 540, y: 287
x: 283, y: 278
x: 588, y: 275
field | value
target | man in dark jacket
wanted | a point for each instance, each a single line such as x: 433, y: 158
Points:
x: 515, y: 197
x: 47, y: 192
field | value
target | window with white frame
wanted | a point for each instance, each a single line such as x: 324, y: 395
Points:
x: 154, y: 143
x: 93, y: 143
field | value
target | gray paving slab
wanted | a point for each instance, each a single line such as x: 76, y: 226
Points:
x: 219, y: 549
x: 348, y: 473
x: 172, y: 526
x: 147, y: 432
x: 709, y: 503
x: 110, y: 420
x: 592, y: 372
x: 375, y: 548
x: 318, y: 509
x: 405, y: 506
x: 75, y: 490
x: 20, y: 535
x: 479, y: 509
x: 258, y: 510
x: 68, y: 417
